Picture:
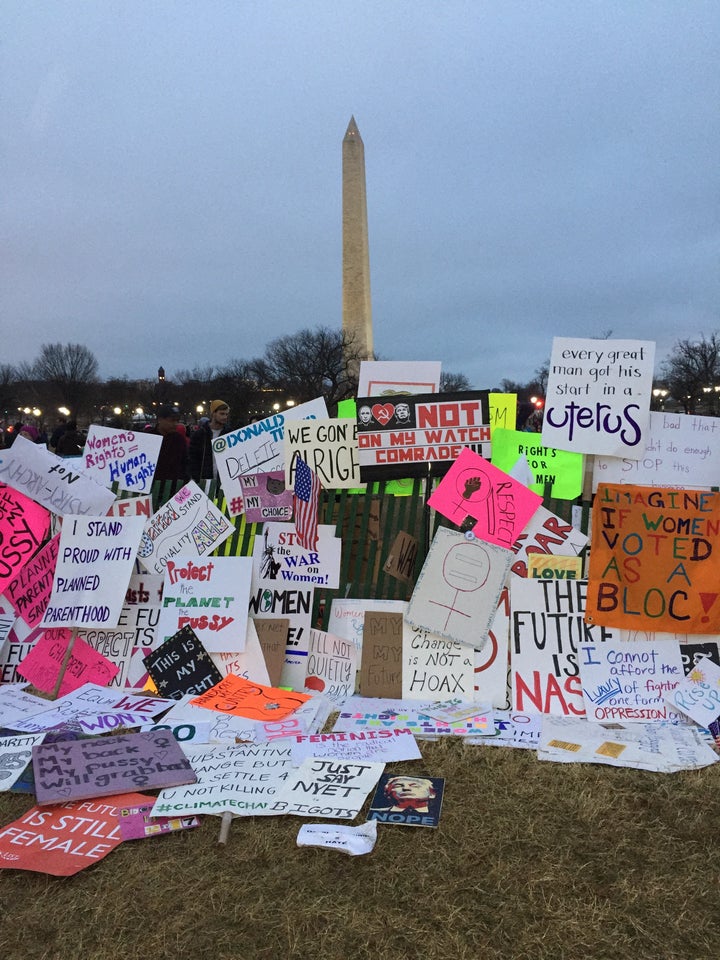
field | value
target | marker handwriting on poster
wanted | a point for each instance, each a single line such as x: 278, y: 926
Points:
x: 330, y: 449
x: 598, y: 394
x: 121, y: 456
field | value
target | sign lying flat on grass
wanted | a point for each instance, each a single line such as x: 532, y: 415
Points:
x: 78, y: 769
x: 408, y: 800
x: 417, y: 436
x: 327, y: 788
x: 84, y: 665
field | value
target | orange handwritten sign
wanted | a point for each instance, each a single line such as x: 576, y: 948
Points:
x: 243, y: 698
x: 653, y: 561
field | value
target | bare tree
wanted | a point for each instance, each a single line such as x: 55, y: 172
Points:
x: 453, y: 382
x: 692, y: 371
x: 70, y: 368
x: 8, y: 389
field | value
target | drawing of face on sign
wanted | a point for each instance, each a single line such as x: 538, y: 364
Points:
x: 365, y: 415
x: 402, y: 412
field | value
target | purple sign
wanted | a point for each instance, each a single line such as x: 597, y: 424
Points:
x: 80, y: 769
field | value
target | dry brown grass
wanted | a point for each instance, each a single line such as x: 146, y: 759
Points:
x: 531, y: 860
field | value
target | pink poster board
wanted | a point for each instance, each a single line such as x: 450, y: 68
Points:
x: 23, y: 525
x: 85, y: 665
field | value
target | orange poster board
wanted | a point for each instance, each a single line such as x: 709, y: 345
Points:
x: 252, y: 700
x: 654, y: 559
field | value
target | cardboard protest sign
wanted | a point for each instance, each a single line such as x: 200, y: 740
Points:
x: 136, y: 822
x: 548, y: 567
x: 189, y: 523
x: 436, y: 667
x: 135, y: 635
x: 677, y: 451
x: 328, y: 447
x: 546, y: 533
x: 492, y: 661
x: 477, y: 496
x: 182, y: 665
x: 386, y: 378
x: 15, y: 755
x: 252, y: 700
x: 547, y: 628
x: 401, y: 559
x: 29, y: 590
x: 78, y: 769
x: 347, y: 616
x: 271, y: 600
x: 698, y: 693
x: 598, y: 395
x: 332, y: 665
x: 241, y: 779
x: 381, y: 665
x: 420, y: 435
x: 23, y: 525
x: 408, y: 800
x: 257, y: 448
x: 459, y: 585
x: 210, y: 597
x: 273, y: 637
x: 43, y: 663
x: 250, y: 663
x: 561, y: 469
x: 628, y: 680
x: 135, y: 506
x: 265, y: 496
x: 125, y: 457
x: 278, y: 555
x: 653, y: 564
x: 65, y: 839
x: 384, y: 746
x: 95, y: 560
x: 51, y: 482
x: 325, y: 788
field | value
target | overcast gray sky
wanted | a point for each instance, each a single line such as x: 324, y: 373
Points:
x: 171, y: 176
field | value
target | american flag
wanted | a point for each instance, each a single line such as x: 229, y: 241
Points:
x: 305, y: 504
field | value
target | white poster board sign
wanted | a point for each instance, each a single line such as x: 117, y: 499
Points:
x: 598, y: 395
x: 328, y: 447
x: 125, y: 457
x: 385, y: 378
x: 277, y: 555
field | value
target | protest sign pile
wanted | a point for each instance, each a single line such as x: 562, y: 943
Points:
x: 162, y: 663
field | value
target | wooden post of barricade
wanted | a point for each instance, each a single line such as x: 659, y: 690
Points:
x: 63, y: 665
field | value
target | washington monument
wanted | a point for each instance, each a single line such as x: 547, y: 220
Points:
x: 356, y: 303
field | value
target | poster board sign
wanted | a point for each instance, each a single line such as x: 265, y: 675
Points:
x: 135, y: 506
x: 364, y: 715
x: 92, y: 709
x: 125, y: 457
x: 628, y: 680
x: 16, y: 703
x: 210, y: 597
x: 492, y: 659
x: 561, y: 469
x: 546, y: 533
x: 254, y: 701
x: 15, y: 755
x: 182, y: 665
x: 257, y: 448
x: 271, y: 600
x: 386, y: 378
x: 248, y: 664
x: 95, y: 560
x: 698, y: 693
x: 189, y: 523
x: 29, y: 590
x: 381, y: 665
x: 598, y: 395
x: 435, y: 667
x: 331, y: 667
x: 677, y: 451
x: 323, y: 787
x: 385, y: 746
x: 347, y: 615
x: 78, y: 769
x: 547, y: 628
x: 542, y: 566
x: 457, y: 592
x: 408, y: 800
x: 265, y: 497
x: 653, y: 564
x: 421, y: 435
x: 278, y: 555
x: 241, y: 779
x: 63, y: 840
x: 43, y: 663
x: 135, y: 635
x: 503, y: 412
x: 52, y: 482
x: 136, y: 823
x: 328, y: 447
x: 477, y: 496
x: 273, y: 637
x: 23, y: 525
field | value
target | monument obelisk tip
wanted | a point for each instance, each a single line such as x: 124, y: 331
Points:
x: 357, y: 307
